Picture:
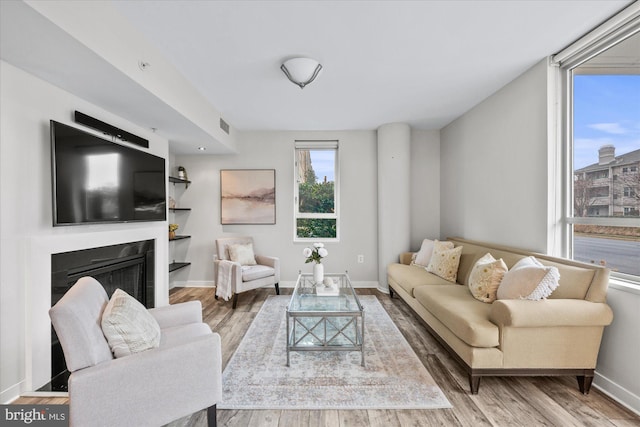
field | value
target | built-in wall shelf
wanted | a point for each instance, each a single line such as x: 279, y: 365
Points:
x: 178, y: 265
x: 180, y: 238
x: 176, y: 180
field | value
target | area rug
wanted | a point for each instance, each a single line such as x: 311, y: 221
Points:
x: 257, y: 377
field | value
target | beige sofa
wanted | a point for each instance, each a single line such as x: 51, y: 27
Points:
x: 557, y: 336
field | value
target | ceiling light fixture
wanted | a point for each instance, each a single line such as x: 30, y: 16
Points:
x: 301, y: 71
x: 202, y: 148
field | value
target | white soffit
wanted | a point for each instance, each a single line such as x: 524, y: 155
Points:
x: 33, y: 43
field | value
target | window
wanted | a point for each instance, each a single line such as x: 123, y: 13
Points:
x: 601, y: 92
x: 316, y: 195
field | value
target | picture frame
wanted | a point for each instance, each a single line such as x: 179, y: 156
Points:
x: 247, y: 196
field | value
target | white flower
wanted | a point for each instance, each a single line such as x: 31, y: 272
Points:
x: 306, y: 252
x: 318, y: 245
x: 323, y: 252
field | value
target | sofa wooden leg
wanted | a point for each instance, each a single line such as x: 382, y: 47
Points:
x: 215, y: 296
x: 212, y: 420
x: 235, y: 301
x: 584, y: 383
x: 474, y: 383
x: 277, y: 289
x: 390, y: 292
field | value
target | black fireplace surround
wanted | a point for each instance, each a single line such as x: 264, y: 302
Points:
x: 128, y: 266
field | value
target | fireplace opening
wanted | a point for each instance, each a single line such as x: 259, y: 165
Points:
x: 128, y: 266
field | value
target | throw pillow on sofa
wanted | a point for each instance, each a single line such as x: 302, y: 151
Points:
x: 423, y: 256
x: 444, y: 262
x: 128, y: 326
x: 485, y: 278
x: 529, y: 279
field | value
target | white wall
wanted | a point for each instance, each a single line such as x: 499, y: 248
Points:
x: 494, y: 167
x: 618, y: 372
x: 27, y: 237
x: 425, y: 186
x: 274, y: 150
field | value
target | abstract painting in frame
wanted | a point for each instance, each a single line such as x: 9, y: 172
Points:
x: 247, y: 196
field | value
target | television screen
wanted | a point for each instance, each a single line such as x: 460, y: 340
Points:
x: 99, y: 181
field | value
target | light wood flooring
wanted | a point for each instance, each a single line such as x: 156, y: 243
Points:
x: 538, y: 401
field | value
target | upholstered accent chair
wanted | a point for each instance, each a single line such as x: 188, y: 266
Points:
x: 181, y: 376
x: 265, y: 272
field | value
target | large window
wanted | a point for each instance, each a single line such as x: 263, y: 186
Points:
x: 316, y: 190
x: 602, y: 131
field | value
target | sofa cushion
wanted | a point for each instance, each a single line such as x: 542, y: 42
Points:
x: 574, y: 280
x: 472, y: 253
x: 461, y: 313
x: 409, y: 277
x: 423, y: 256
x: 529, y: 279
x: 485, y: 277
x: 444, y: 263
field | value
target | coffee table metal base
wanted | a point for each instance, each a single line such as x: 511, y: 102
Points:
x: 325, y: 332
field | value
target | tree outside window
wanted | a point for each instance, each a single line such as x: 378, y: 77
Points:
x: 316, y: 213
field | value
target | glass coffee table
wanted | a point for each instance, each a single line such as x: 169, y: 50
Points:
x: 320, y: 319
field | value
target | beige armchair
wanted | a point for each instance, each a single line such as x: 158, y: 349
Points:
x: 244, y: 278
x: 150, y: 388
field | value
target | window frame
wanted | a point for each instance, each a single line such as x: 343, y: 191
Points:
x: 567, y: 62
x: 316, y: 145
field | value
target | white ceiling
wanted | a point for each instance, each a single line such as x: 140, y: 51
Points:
x: 420, y: 62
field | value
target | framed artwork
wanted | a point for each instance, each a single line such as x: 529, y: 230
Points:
x: 247, y: 196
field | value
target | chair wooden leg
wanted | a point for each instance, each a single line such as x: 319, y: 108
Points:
x: 277, y: 289
x: 235, y: 301
x: 212, y: 420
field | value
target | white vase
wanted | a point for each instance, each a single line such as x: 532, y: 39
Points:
x: 318, y: 273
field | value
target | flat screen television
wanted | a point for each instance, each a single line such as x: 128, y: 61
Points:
x: 98, y: 181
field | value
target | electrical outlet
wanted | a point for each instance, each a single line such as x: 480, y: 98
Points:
x: 360, y: 259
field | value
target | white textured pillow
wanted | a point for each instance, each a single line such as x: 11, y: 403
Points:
x: 242, y: 253
x: 444, y: 262
x: 128, y: 326
x: 485, y: 277
x: 529, y: 279
x: 423, y: 256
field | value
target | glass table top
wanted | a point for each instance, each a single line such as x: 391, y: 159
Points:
x: 305, y: 298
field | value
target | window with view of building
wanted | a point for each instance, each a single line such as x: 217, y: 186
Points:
x: 316, y: 190
x: 603, y: 155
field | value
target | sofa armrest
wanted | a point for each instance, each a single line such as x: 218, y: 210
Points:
x: 178, y: 314
x: 152, y: 387
x: 550, y: 313
x: 405, y: 257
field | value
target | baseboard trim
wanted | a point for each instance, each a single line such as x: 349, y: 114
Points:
x: 618, y: 393
x: 12, y: 393
x: 45, y: 394
x: 193, y: 284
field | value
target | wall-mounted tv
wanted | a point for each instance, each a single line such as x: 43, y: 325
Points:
x: 99, y: 181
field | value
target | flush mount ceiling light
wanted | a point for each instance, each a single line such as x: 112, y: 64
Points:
x: 301, y: 71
